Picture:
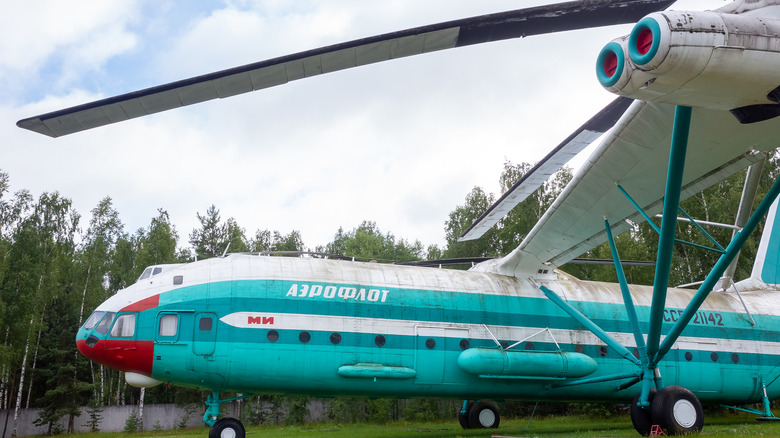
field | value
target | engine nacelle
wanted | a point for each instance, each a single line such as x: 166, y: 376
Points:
x: 700, y: 59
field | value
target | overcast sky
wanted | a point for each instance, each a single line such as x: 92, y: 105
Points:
x: 400, y: 143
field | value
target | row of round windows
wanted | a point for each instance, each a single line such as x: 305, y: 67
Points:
x: 430, y: 343
x: 714, y: 356
x: 335, y: 339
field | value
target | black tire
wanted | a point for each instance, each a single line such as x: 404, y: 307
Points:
x: 484, y: 415
x: 227, y: 428
x: 641, y: 418
x: 463, y: 419
x: 677, y: 411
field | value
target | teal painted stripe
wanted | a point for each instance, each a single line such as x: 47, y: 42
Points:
x: 455, y: 307
x: 771, y: 269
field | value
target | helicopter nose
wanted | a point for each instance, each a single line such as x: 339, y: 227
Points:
x: 91, y: 348
x: 121, y: 355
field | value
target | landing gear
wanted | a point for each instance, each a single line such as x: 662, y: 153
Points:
x: 640, y: 417
x: 675, y: 409
x: 463, y: 415
x: 479, y: 415
x: 224, y: 427
x: 227, y: 428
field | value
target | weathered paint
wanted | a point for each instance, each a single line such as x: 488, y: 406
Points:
x: 265, y: 339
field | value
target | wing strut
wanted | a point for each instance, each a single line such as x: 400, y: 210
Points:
x: 654, y: 351
x: 663, y: 263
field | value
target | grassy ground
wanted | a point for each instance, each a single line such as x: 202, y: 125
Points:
x: 729, y: 426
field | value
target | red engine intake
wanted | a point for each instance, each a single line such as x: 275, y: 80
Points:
x: 703, y: 59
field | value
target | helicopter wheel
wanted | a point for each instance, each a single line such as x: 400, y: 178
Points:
x: 227, y: 428
x: 484, y: 415
x: 677, y: 411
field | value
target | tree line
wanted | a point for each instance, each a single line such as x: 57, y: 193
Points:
x: 57, y: 266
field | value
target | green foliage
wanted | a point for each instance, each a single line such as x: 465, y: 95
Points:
x: 347, y: 409
x: 214, y: 237
x: 510, y: 231
x: 133, y: 423
x: 254, y: 412
x: 344, y: 410
x: 95, y: 412
x: 382, y: 410
x: 297, y: 407
x: 426, y: 409
x: 53, y: 273
x: 184, y: 421
x: 367, y: 242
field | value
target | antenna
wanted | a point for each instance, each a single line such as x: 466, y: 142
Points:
x: 226, y: 250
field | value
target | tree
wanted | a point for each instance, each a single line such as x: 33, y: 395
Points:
x: 235, y: 236
x: 367, y: 242
x: 62, y: 369
x: 507, y: 234
x: 211, y: 239
x: 40, y: 263
x: 214, y: 237
x: 460, y: 219
x: 157, y: 244
x: 96, y: 252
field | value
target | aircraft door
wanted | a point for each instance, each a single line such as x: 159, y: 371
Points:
x: 205, y: 337
x: 435, y: 361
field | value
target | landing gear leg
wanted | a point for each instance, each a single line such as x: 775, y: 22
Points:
x: 640, y: 417
x: 224, y: 427
x: 463, y: 415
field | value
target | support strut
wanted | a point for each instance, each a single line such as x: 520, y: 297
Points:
x: 709, y: 283
x: 674, y: 177
x: 213, y: 403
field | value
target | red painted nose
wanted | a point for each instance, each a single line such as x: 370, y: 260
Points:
x: 124, y: 355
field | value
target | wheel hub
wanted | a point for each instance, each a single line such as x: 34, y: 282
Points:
x: 684, y: 413
x: 486, y: 418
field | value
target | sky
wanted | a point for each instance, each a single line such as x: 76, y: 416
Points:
x: 400, y: 143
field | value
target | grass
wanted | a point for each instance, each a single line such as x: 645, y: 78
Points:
x: 726, y: 426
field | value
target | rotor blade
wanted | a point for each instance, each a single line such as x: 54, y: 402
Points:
x: 264, y: 74
x: 557, y: 158
x: 446, y: 262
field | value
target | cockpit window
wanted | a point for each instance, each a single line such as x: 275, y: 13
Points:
x: 105, y: 323
x: 146, y: 274
x: 124, y: 327
x: 151, y: 271
x: 93, y: 320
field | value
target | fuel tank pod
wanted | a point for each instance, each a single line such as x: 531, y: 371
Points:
x: 541, y: 365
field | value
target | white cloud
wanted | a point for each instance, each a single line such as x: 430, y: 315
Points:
x: 400, y: 143
x: 69, y: 38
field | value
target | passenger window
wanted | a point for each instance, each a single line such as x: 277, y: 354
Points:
x: 93, y: 320
x: 205, y: 324
x: 178, y: 279
x: 105, y: 323
x: 169, y: 325
x: 124, y: 327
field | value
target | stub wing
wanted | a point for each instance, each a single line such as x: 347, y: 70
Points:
x: 634, y: 156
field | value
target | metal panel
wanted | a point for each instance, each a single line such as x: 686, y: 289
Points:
x: 635, y: 156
